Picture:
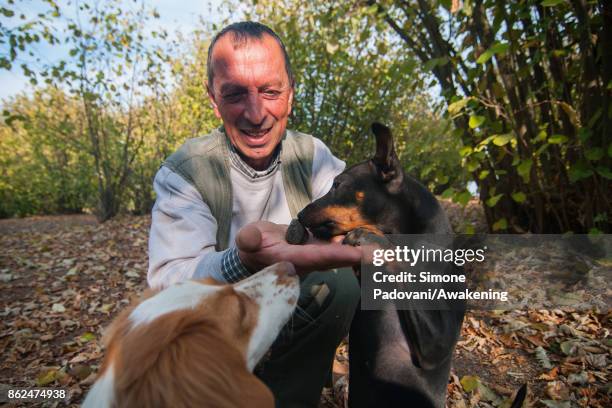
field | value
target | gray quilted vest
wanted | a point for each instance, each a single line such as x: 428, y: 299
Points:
x: 204, y: 163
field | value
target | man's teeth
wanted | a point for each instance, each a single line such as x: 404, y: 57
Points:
x: 256, y: 134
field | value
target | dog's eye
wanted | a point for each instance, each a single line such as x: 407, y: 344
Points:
x: 335, y: 185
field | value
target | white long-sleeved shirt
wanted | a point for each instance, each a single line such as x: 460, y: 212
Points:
x: 183, y: 231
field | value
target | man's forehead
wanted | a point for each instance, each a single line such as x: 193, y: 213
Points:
x: 238, y: 57
x: 234, y: 85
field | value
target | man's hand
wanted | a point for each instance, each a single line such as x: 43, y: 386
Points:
x: 263, y: 243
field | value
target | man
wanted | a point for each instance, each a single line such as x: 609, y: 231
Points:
x: 241, y: 183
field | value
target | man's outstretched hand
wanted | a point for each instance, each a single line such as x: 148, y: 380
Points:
x: 263, y: 243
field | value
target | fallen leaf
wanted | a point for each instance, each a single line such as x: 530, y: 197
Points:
x: 469, y: 383
x: 569, y: 347
x: 87, y: 337
x: 543, y: 357
x: 551, y: 375
x: 47, y: 377
x: 578, y: 378
x: 58, y: 308
x: 79, y: 358
x: 557, y: 390
x: 80, y: 371
x: 472, y: 383
x: 6, y: 277
x: 556, y: 404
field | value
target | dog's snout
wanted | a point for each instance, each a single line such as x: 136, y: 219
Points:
x: 300, y: 216
x: 307, y: 217
x: 286, y: 268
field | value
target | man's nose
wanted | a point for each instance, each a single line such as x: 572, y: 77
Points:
x: 255, y: 110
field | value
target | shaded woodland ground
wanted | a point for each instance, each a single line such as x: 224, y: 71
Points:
x: 63, y: 279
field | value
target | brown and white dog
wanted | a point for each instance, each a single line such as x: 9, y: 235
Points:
x: 196, y: 344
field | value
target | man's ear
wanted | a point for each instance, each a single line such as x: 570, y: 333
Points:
x: 385, y: 160
x: 290, y: 100
x: 211, y: 97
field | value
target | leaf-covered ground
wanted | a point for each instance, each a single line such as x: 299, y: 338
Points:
x: 63, y: 278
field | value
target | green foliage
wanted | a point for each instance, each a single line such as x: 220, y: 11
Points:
x: 110, y: 70
x: 18, y: 34
x: 426, y: 146
x: 114, y: 68
x: 41, y: 171
x: 527, y: 85
x: 95, y: 144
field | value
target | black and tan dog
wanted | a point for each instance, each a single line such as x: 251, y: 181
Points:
x: 397, y: 357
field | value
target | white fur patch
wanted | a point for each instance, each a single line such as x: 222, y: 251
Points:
x: 276, y: 304
x: 181, y: 296
x: 102, y: 394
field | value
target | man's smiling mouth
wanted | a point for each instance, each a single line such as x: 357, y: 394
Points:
x: 255, y: 136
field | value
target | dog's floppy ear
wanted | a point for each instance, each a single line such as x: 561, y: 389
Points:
x: 385, y: 160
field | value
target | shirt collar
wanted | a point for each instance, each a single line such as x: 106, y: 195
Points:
x: 247, y: 170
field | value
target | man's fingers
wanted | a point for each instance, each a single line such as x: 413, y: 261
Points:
x: 319, y: 257
x: 249, y: 238
x: 338, y: 239
x: 263, y: 243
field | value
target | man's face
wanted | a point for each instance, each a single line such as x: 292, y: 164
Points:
x: 251, y: 93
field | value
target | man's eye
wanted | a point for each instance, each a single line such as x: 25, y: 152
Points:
x: 232, y: 96
x: 271, y: 93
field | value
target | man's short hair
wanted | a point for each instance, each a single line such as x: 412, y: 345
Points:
x: 241, y: 32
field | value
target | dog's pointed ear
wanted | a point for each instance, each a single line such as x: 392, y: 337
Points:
x: 385, y: 160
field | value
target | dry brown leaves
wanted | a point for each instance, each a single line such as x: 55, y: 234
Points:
x: 63, y: 279
x: 61, y: 285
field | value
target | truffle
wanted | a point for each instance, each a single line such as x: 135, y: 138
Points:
x: 296, y: 233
